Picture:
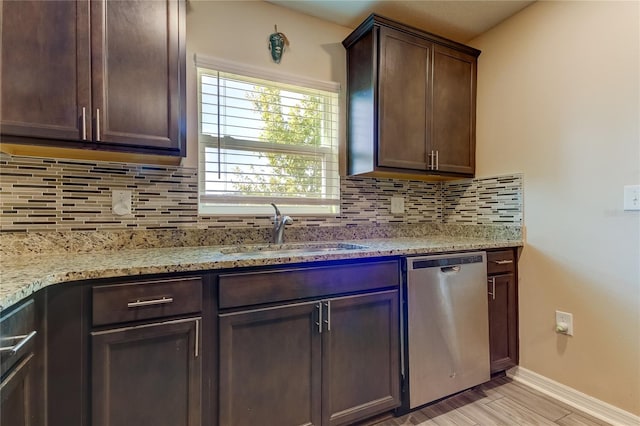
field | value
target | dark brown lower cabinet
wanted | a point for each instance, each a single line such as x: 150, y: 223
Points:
x: 147, y: 375
x: 270, y: 366
x: 16, y: 390
x: 67, y: 355
x: 503, y: 309
x: 360, y: 364
x: 326, y: 362
x: 22, y: 365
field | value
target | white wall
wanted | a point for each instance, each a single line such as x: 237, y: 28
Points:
x: 239, y: 31
x: 558, y: 99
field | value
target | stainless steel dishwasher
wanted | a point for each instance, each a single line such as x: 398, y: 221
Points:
x: 447, y: 325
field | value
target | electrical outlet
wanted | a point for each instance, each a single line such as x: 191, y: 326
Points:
x: 397, y: 205
x: 121, y: 202
x: 564, y: 323
x: 632, y: 197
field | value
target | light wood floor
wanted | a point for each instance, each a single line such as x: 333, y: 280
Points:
x: 499, y: 402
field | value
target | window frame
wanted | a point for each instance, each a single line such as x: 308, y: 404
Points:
x: 254, y: 205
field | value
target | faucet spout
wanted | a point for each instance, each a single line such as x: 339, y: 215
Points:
x: 277, y: 210
x: 279, y: 222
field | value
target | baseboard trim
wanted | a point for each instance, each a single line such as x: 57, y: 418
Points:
x: 574, y: 398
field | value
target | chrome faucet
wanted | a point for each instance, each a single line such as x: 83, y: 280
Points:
x: 279, y: 222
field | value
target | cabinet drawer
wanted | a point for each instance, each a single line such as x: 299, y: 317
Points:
x: 146, y: 300
x: 254, y: 288
x: 501, y: 261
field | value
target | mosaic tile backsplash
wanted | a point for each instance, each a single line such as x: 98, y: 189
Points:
x: 40, y: 194
x: 496, y: 200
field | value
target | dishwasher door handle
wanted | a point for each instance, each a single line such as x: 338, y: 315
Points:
x: 448, y: 269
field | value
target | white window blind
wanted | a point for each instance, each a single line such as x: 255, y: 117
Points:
x: 266, y: 142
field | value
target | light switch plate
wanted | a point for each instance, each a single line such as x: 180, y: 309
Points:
x: 632, y: 197
x: 397, y: 205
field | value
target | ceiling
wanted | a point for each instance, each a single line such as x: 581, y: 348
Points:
x: 458, y: 20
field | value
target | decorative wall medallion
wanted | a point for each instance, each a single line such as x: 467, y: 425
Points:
x: 277, y: 43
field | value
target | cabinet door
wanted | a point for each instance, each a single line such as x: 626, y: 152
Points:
x: 270, y: 366
x: 503, y: 322
x: 22, y: 365
x: 147, y: 375
x: 45, y: 69
x: 360, y: 357
x: 136, y: 69
x: 453, y: 109
x: 403, y: 117
x: 16, y: 395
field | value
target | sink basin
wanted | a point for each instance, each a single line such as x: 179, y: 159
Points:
x: 297, y: 248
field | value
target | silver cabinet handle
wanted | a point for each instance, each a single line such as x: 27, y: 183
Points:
x: 139, y: 303
x: 492, y: 293
x: 328, y: 320
x: 319, y: 323
x: 24, y: 339
x: 84, y: 123
x: 98, y: 124
x: 431, y: 160
x: 197, y: 344
x: 437, y: 160
x: 502, y: 262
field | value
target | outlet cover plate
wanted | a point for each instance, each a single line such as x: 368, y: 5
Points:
x: 121, y: 202
x: 397, y: 205
x: 566, y: 318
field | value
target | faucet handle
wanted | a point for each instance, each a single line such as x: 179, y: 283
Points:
x: 287, y: 220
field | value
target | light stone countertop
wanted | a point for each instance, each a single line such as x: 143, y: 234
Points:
x: 20, y: 277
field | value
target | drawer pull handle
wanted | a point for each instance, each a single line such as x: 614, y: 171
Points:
x: 139, y: 303
x: 24, y: 339
x: 502, y: 262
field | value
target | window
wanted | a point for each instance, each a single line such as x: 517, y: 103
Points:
x: 263, y: 142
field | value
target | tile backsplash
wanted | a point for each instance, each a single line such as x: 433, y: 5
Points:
x: 495, y: 200
x: 39, y: 194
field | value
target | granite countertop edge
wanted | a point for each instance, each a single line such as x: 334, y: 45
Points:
x: 20, y: 277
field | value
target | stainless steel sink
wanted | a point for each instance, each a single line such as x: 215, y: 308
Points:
x: 296, y: 248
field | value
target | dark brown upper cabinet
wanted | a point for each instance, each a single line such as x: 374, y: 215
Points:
x: 102, y: 75
x: 411, y: 102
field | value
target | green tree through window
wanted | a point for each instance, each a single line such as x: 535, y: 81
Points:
x: 301, y: 125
